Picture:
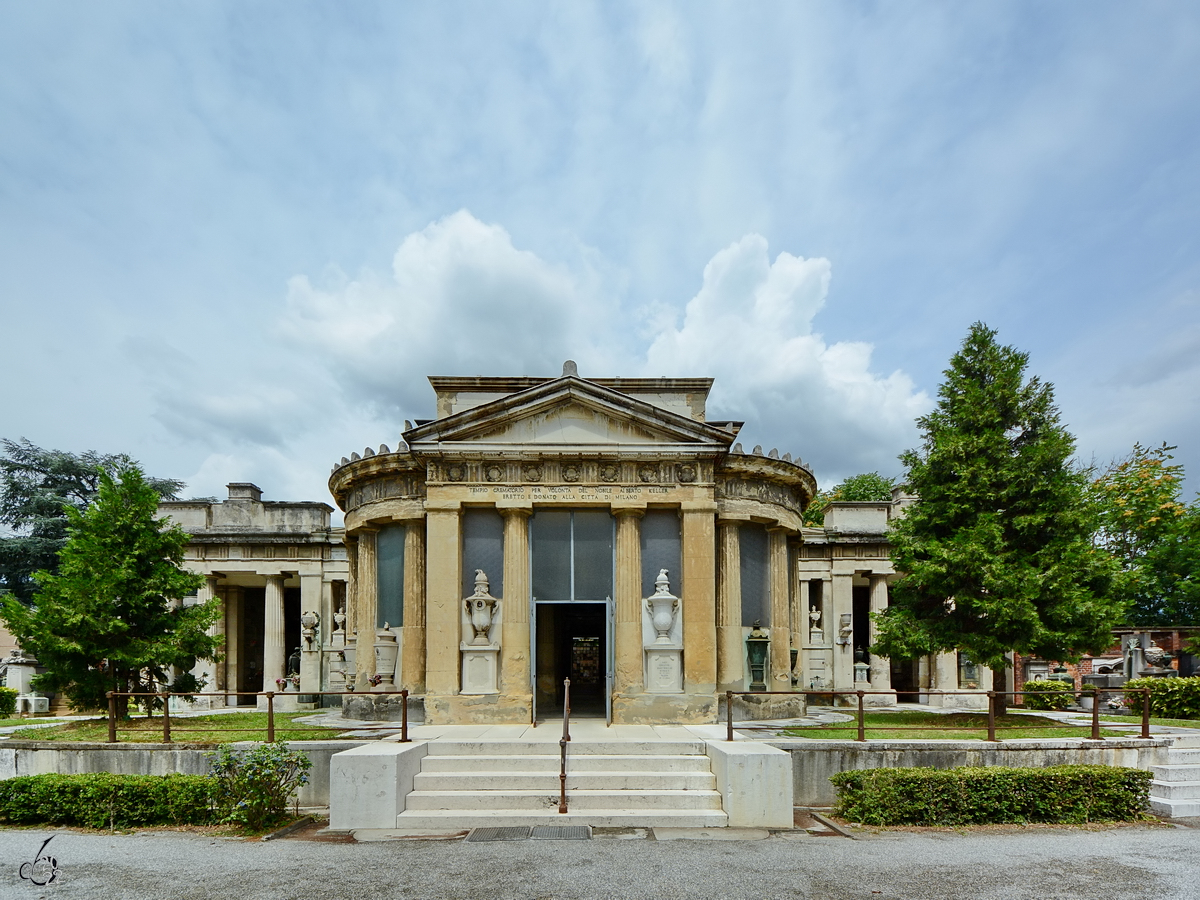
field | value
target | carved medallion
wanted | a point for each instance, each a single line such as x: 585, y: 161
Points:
x: 648, y: 473
x: 610, y: 472
x: 531, y: 472
x: 685, y: 474
x: 456, y: 473
x: 570, y: 473
x: 494, y: 473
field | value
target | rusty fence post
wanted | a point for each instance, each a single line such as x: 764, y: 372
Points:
x: 270, y: 717
x: 991, y: 715
x: 1096, y: 716
x: 1145, y: 712
x: 729, y: 715
x: 167, y: 718
x: 862, y: 724
x: 112, y: 717
x: 404, y: 738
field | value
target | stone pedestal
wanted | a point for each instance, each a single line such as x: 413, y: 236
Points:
x: 480, y: 669
x: 664, y: 670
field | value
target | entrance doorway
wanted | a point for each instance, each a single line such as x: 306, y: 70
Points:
x: 571, y: 641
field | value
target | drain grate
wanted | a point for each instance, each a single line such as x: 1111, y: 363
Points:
x: 513, y: 833
x: 562, y: 833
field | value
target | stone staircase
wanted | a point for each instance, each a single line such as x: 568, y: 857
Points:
x: 496, y: 783
x: 1175, y: 790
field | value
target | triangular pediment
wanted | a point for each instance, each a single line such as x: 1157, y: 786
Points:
x: 568, y: 411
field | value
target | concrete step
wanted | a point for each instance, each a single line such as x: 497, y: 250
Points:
x: 1175, y: 790
x: 456, y: 820
x: 1188, y: 741
x: 1186, y: 757
x: 548, y: 781
x: 574, y: 748
x: 1172, y: 772
x: 478, y: 802
x: 1175, y: 809
x: 588, y: 762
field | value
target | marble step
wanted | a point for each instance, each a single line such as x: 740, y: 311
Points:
x: 574, y: 748
x: 455, y: 820
x: 590, y: 762
x: 1175, y: 809
x: 548, y: 781
x: 1186, y: 757
x: 1187, y: 741
x: 1175, y: 790
x: 499, y: 801
x: 1173, y: 772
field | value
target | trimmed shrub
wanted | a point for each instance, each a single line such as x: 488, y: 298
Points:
x: 1059, y: 694
x: 105, y: 800
x: 253, y: 786
x: 1170, y: 698
x: 8, y: 702
x: 992, y: 795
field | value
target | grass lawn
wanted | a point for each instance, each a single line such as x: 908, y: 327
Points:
x: 218, y: 729
x: 1154, y: 720
x: 913, y: 725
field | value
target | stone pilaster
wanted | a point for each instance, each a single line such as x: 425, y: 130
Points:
x: 217, y: 683
x: 628, y: 590
x: 367, y: 594
x: 310, y: 655
x: 838, y: 611
x: 233, y: 642
x: 730, y: 670
x: 945, y: 678
x: 412, y: 659
x: 800, y: 623
x: 699, y: 602
x: 515, y: 676
x: 781, y: 629
x: 274, y: 652
x: 351, y: 585
x: 443, y: 589
x: 881, y: 667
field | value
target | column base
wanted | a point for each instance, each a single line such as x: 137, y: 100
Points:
x: 664, y: 709
x: 759, y: 707
x: 478, y: 709
x: 888, y: 699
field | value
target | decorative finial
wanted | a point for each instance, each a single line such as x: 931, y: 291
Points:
x: 481, y: 583
x: 569, y: 368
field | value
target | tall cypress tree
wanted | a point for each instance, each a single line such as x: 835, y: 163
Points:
x: 111, y: 617
x: 998, y: 553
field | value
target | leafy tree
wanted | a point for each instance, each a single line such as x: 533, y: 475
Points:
x: 35, y: 487
x: 857, y: 488
x: 998, y: 553
x: 111, y: 618
x: 1154, y: 535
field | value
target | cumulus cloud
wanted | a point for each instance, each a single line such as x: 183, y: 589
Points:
x: 751, y: 327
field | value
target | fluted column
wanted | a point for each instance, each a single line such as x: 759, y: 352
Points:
x: 412, y: 660
x: 443, y: 602
x: 274, y: 654
x: 730, y: 671
x: 697, y: 591
x: 781, y: 626
x: 367, y: 591
x: 881, y: 666
x: 628, y: 598
x: 515, y: 677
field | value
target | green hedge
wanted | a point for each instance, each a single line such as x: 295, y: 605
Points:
x: 8, y: 702
x: 1061, y: 694
x: 992, y: 795
x: 1170, y: 698
x: 104, y: 800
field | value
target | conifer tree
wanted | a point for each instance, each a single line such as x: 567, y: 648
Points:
x: 998, y: 552
x: 112, y: 618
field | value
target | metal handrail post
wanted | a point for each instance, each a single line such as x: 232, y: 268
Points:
x: 729, y: 715
x: 566, y: 709
x: 112, y: 717
x: 167, y: 718
x: 1096, y: 716
x: 1145, y: 712
x: 862, y: 724
x: 562, y: 747
x: 991, y: 715
x: 270, y: 717
x: 404, y: 738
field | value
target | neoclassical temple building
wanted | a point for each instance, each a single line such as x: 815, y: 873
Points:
x: 539, y: 529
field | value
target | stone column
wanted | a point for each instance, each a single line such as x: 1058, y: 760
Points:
x: 367, y: 594
x: 799, y: 617
x: 628, y: 590
x: 412, y: 660
x: 945, y: 678
x: 781, y: 626
x: 233, y: 642
x: 443, y: 590
x: 730, y: 670
x: 310, y: 655
x: 841, y: 603
x: 218, y: 631
x: 515, y: 676
x: 274, y: 653
x: 881, y: 667
x: 351, y: 585
x: 699, y: 601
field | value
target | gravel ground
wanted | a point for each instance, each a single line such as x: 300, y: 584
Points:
x: 1035, y: 864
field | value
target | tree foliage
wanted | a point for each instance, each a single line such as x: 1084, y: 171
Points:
x: 36, y: 486
x: 112, y: 617
x: 1153, y: 534
x: 865, y: 487
x: 997, y: 554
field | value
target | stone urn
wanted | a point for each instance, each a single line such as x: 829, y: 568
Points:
x: 481, y: 608
x: 663, y: 607
x: 386, y: 650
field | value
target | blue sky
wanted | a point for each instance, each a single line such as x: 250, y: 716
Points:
x: 236, y: 237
